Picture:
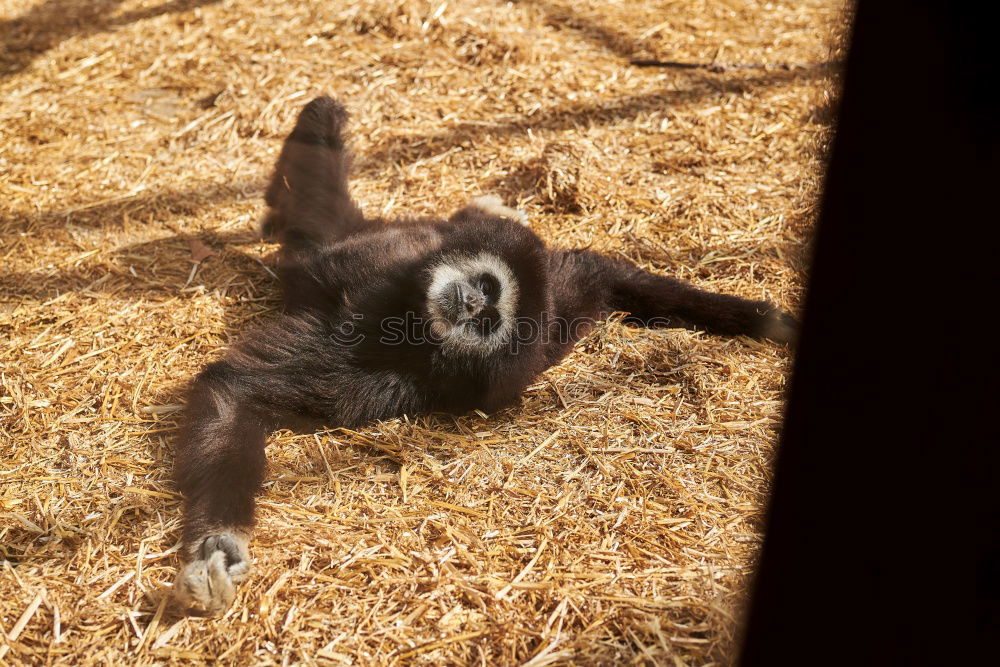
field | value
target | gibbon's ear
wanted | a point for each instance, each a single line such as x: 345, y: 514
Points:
x: 490, y: 205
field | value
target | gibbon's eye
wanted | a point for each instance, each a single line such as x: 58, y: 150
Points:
x: 489, y: 286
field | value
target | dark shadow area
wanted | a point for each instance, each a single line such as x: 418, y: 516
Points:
x: 49, y: 23
x: 883, y: 517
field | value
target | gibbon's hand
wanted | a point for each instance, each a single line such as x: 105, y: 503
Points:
x: 781, y: 327
x: 210, y: 581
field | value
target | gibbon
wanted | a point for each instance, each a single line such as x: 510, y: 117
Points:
x: 386, y: 318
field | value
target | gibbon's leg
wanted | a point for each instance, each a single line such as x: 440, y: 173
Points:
x: 310, y: 205
x: 653, y: 300
x: 219, y: 468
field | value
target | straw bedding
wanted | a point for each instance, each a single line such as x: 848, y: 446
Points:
x: 612, y: 518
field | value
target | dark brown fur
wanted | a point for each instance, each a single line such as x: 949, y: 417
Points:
x: 343, y: 276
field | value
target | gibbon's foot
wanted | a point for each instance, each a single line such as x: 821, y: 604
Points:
x: 493, y: 205
x: 210, y: 581
x: 780, y: 327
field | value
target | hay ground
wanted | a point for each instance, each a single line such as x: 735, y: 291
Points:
x: 612, y: 518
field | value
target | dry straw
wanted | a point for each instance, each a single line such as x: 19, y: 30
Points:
x: 612, y: 518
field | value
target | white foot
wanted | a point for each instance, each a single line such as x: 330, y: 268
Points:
x: 493, y: 205
x: 210, y: 581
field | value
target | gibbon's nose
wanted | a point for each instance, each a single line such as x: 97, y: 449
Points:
x: 471, y: 299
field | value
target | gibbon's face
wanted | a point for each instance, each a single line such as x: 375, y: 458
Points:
x: 472, y: 300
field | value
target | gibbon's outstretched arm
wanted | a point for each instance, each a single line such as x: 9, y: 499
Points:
x: 219, y: 468
x: 581, y: 277
x: 292, y: 373
x: 266, y: 381
x: 310, y: 205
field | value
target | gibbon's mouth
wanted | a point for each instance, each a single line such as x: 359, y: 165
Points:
x: 482, y: 326
x: 485, y: 323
